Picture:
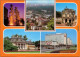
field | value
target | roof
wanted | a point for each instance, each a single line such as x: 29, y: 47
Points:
x: 69, y: 10
x: 20, y: 40
x: 30, y: 43
x: 57, y: 34
x: 17, y: 40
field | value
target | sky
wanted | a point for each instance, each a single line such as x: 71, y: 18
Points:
x: 40, y: 1
x: 62, y: 6
x: 71, y: 33
x: 20, y: 8
x: 33, y: 36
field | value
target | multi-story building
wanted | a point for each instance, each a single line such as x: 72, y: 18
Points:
x: 59, y: 38
x: 56, y: 39
x: 69, y: 42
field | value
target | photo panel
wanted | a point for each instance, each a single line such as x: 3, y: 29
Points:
x: 14, y: 14
x: 61, y: 41
x: 66, y: 14
x: 40, y: 15
x: 17, y: 41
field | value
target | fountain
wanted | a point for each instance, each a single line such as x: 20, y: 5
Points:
x: 11, y: 16
x: 14, y: 18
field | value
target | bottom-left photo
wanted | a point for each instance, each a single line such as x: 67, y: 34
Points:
x: 19, y: 41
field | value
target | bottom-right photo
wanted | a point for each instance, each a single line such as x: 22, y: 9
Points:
x: 61, y: 41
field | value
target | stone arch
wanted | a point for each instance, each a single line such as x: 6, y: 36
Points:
x: 65, y: 20
x: 69, y: 20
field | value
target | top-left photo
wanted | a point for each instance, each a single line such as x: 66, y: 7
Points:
x: 14, y: 14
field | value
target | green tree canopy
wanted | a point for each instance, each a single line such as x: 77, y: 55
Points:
x: 25, y: 37
x: 50, y: 24
x: 58, y: 14
x: 28, y: 26
x: 20, y: 36
x: 37, y: 44
x: 6, y: 38
x: 8, y: 46
x: 16, y: 35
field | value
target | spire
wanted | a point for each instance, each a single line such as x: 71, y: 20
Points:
x: 66, y: 7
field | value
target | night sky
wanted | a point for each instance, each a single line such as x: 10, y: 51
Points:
x: 20, y: 7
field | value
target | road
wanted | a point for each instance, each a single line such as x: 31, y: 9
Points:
x: 43, y: 50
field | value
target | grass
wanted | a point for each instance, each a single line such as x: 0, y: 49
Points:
x: 71, y: 48
x: 25, y: 52
x: 68, y: 49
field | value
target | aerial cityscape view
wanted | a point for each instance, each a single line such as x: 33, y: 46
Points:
x: 40, y: 15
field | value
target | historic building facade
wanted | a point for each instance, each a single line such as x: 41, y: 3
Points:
x: 22, y: 44
x: 68, y: 18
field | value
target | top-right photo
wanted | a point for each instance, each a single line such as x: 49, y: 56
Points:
x: 66, y: 14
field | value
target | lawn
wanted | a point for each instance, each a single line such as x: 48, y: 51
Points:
x: 25, y: 52
x: 71, y: 48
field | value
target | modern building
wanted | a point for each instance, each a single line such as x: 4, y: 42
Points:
x: 56, y: 39
x: 69, y: 42
x: 22, y: 44
x: 60, y: 38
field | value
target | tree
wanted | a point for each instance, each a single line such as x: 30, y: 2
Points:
x: 25, y: 37
x: 6, y: 38
x: 43, y: 28
x: 27, y: 26
x: 16, y: 35
x: 20, y: 36
x: 8, y: 46
x: 50, y: 24
x: 58, y: 14
x: 37, y: 44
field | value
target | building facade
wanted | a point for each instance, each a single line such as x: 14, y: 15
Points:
x: 56, y: 39
x: 69, y: 42
x: 22, y: 44
x: 68, y: 17
x: 59, y: 38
